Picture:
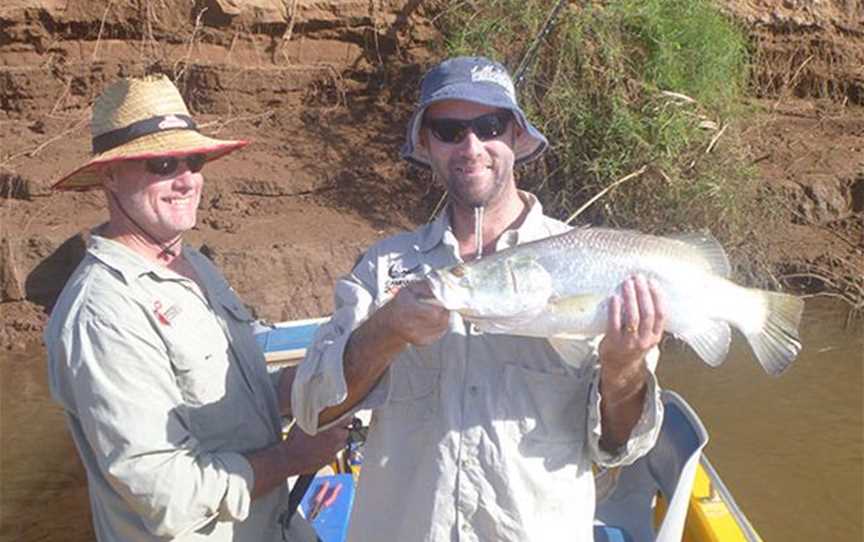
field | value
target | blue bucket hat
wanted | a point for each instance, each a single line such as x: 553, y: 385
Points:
x: 472, y: 79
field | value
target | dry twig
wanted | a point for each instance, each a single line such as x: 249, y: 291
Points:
x: 438, y: 205
x: 219, y: 124
x: 580, y: 210
x: 184, y: 62
x: 849, y: 290
x: 289, y: 30
x: 78, y: 125
x: 715, y: 139
x: 101, y: 28
x: 790, y: 83
x: 66, y: 90
x: 375, y: 33
x: 36, y: 150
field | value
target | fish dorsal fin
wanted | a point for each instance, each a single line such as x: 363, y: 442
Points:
x: 709, y: 249
x: 573, y: 349
x: 710, y: 339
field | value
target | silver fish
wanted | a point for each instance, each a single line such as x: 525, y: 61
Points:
x: 560, y: 287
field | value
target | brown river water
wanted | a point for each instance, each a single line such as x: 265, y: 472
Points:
x: 790, y: 449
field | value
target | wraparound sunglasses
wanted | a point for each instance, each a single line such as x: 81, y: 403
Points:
x: 485, y: 127
x: 166, y: 165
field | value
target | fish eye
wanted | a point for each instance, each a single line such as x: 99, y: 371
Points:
x: 459, y: 271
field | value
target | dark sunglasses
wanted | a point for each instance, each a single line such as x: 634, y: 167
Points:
x: 485, y: 127
x: 166, y: 165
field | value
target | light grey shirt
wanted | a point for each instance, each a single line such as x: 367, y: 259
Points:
x: 163, y: 386
x: 475, y: 437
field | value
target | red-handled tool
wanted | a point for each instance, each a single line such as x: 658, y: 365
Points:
x: 324, y: 502
x: 318, y: 499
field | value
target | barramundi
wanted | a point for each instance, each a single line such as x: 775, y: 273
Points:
x: 560, y: 288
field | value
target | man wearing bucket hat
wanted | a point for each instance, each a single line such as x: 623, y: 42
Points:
x: 151, y: 353
x: 473, y: 436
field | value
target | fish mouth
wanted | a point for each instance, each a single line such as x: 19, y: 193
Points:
x: 436, y: 285
x: 440, y: 284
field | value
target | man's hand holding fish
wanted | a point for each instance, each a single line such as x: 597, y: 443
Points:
x: 413, y: 320
x: 635, y: 326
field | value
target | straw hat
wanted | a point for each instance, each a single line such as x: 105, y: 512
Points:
x: 139, y: 118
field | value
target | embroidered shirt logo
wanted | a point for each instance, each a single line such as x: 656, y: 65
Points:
x: 493, y: 74
x: 168, y: 315
x: 399, y: 276
x: 396, y: 271
x: 172, y: 121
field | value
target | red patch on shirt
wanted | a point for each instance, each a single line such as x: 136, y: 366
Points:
x: 168, y: 315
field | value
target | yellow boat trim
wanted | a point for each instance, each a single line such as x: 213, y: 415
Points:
x: 709, y: 516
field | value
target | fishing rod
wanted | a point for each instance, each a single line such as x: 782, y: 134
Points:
x: 534, y: 46
x: 518, y: 77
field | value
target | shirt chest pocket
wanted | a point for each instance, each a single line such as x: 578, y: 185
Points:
x: 414, y: 392
x: 201, y: 362
x: 546, y: 407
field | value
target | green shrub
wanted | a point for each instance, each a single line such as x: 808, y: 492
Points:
x: 623, y: 84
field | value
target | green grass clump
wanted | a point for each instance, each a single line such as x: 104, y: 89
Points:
x: 689, y: 46
x: 622, y: 84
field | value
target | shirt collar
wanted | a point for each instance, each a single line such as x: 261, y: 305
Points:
x: 124, y: 260
x: 529, y: 230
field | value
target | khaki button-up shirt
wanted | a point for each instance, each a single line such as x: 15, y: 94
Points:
x: 475, y: 437
x: 164, y: 387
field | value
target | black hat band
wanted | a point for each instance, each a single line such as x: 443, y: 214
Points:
x: 121, y: 136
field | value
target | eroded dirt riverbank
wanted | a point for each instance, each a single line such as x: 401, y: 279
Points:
x: 324, y: 92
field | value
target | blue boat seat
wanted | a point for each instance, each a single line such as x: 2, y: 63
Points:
x: 670, y: 468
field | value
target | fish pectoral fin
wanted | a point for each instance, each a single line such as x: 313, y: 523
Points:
x: 503, y: 324
x: 710, y: 339
x: 577, y: 303
x: 574, y: 336
x: 573, y: 349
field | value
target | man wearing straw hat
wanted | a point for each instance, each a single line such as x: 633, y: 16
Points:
x: 151, y: 353
x: 474, y: 436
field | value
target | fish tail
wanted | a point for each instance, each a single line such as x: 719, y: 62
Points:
x: 776, y: 343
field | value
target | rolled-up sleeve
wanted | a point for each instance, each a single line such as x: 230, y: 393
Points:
x: 644, y: 433
x: 320, y: 380
x: 133, y: 416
